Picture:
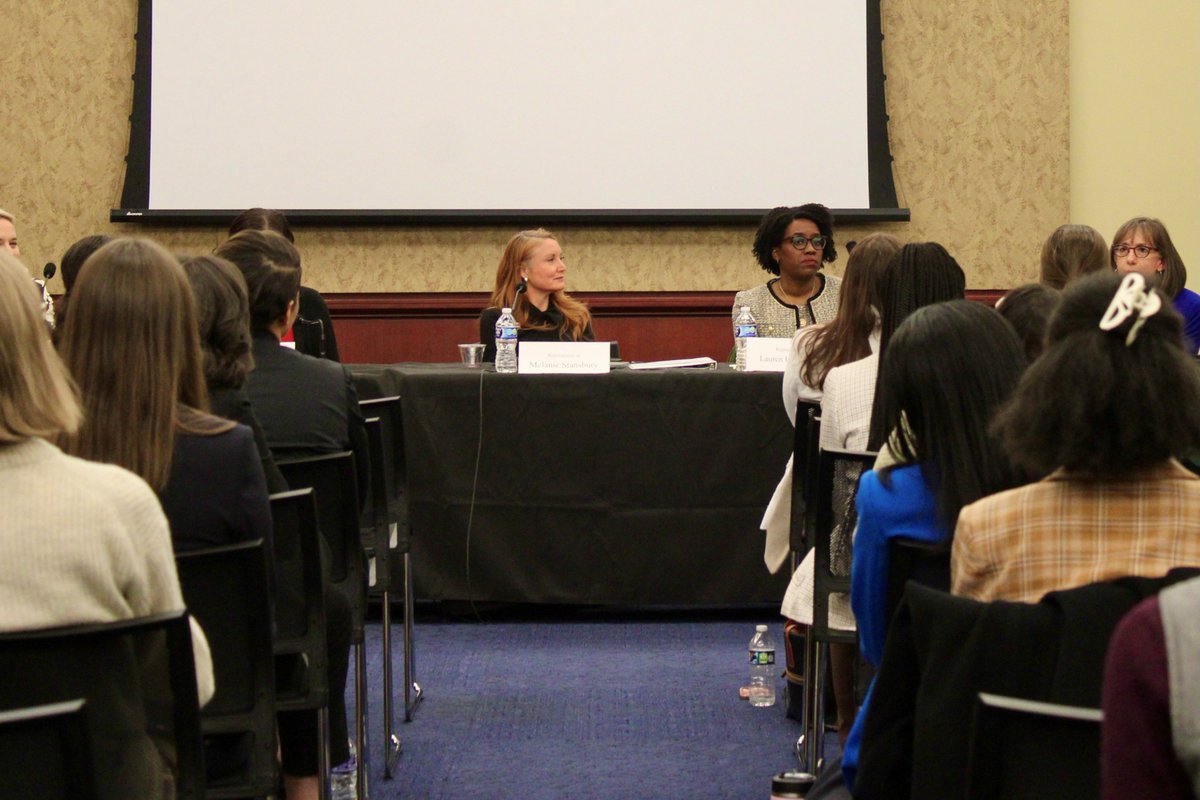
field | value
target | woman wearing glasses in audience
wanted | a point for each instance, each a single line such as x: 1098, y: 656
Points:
x: 1142, y: 245
x: 543, y: 309
x: 793, y: 244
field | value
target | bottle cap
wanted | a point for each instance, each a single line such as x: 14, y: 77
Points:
x: 506, y: 310
x: 744, y: 309
x: 760, y: 628
x: 792, y: 784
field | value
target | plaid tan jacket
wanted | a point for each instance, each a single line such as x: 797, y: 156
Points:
x: 1062, y: 532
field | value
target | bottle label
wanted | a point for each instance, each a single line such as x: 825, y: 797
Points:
x: 506, y: 333
x: 746, y: 331
x: 762, y: 657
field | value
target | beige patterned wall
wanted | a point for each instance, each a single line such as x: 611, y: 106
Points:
x: 977, y: 93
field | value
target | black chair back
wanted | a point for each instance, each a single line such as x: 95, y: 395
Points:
x: 825, y: 580
x: 395, y: 475
x: 925, y: 563
x: 228, y: 590
x: 805, y: 445
x: 302, y: 666
x: 374, y: 522
x: 46, y: 752
x: 138, y: 678
x: 1026, y: 750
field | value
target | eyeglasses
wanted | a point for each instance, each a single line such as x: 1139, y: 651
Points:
x: 1141, y: 250
x: 800, y: 242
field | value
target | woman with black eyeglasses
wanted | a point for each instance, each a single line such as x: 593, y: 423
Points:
x: 793, y: 244
x: 1142, y: 245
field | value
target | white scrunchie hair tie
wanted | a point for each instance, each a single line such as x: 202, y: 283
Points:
x: 1131, y: 298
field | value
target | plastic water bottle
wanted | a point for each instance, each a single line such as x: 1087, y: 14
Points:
x: 343, y: 778
x: 744, y: 327
x: 762, y: 668
x: 506, y: 342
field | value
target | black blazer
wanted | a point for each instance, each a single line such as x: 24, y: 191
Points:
x: 216, y: 493
x: 307, y: 406
x: 235, y: 405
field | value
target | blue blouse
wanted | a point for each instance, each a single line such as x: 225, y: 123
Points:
x: 905, y: 508
x: 1187, y: 303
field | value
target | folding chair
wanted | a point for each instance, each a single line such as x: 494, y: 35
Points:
x: 138, y: 678
x: 229, y: 591
x: 810, y: 748
x: 46, y: 752
x: 301, y: 661
x: 335, y: 486
x: 805, y: 444
x: 388, y: 410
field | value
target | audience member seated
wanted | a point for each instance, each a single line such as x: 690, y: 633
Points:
x: 8, y: 241
x: 1028, y: 308
x: 1071, y: 252
x: 307, y: 406
x: 816, y: 349
x: 133, y: 348
x: 793, y: 244
x: 1105, y: 411
x: 946, y: 371
x: 315, y: 336
x: 223, y: 314
x: 1142, y: 245
x: 1148, y: 740
x: 71, y: 263
x: 81, y: 542
x: 544, y: 311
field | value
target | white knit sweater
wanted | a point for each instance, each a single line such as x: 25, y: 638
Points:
x: 82, y: 543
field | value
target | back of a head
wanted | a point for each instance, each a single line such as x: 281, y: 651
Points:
x: 270, y: 265
x: 36, y: 396
x: 262, y: 219
x: 1028, y: 309
x: 133, y: 348
x: 1071, y: 252
x: 866, y: 267
x: 920, y: 274
x: 73, y: 259
x: 223, y: 318
x: 1097, y: 403
x: 949, y: 367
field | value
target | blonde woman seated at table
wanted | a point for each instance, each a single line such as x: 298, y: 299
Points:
x: 531, y: 280
x: 1107, y: 410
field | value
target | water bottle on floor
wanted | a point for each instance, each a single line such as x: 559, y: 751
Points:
x: 343, y: 779
x: 762, y: 668
x: 506, y: 342
x: 744, y: 327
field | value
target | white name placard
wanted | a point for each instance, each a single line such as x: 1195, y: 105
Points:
x: 767, y: 354
x: 577, y: 358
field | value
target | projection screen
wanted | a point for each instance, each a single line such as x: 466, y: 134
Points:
x: 396, y: 110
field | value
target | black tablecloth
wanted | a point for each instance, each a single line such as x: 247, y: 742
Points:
x: 625, y: 488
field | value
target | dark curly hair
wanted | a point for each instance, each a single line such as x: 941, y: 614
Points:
x: 773, y: 225
x: 1096, y: 406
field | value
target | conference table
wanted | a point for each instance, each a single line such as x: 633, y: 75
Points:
x: 625, y: 488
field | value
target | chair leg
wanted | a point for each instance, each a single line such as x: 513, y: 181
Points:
x: 360, y: 717
x: 391, y: 742
x: 323, y: 753
x: 818, y: 716
x: 807, y: 755
x: 412, y: 690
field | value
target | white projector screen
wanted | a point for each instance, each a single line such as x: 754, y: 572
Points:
x: 593, y: 108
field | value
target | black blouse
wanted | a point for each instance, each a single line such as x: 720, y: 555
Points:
x: 552, y: 317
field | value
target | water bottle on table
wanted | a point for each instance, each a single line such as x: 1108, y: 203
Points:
x: 744, y: 327
x: 506, y: 342
x: 762, y: 668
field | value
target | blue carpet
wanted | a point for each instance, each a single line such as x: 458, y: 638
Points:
x: 633, y: 708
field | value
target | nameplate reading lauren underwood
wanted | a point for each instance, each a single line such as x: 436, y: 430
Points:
x: 569, y: 358
x: 768, y: 354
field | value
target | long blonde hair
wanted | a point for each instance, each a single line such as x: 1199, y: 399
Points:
x: 133, y: 346
x: 37, y: 397
x: 508, y: 275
